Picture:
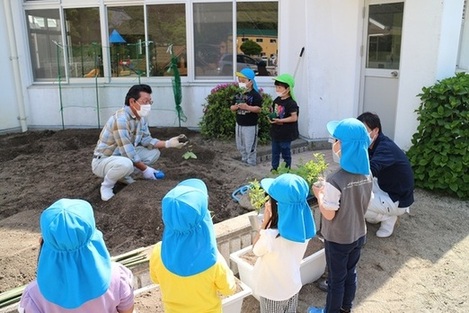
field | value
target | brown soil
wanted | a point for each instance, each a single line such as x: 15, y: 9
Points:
x: 40, y: 167
x: 422, y: 267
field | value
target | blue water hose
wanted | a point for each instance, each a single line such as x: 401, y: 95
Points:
x: 240, y: 191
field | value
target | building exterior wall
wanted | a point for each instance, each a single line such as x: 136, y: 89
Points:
x: 327, y: 77
x: 9, y: 113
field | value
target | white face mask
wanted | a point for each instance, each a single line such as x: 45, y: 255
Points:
x: 242, y: 85
x: 372, y: 138
x: 335, y: 155
x: 144, y: 110
x: 282, y: 94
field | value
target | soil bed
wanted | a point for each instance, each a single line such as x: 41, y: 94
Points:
x: 40, y: 167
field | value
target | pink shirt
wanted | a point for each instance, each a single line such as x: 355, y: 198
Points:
x: 119, y: 296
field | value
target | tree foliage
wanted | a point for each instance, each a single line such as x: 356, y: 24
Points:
x: 440, y: 154
x: 250, y: 47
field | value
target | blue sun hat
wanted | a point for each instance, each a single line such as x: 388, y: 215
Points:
x: 74, y: 265
x: 249, y: 74
x: 188, y: 246
x: 295, y: 220
x: 354, y: 140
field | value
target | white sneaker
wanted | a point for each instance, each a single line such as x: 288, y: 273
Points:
x: 106, y: 193
x: 387, y: 227
x: 127, y: 180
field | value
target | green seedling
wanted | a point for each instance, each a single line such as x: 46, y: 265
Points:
x: 189, y: 154
x: 257, y: 195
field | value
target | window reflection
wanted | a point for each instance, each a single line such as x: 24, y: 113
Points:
x: 384, y: 35
x: 45, y: 44
x: 84, y: 42
x: 166, y: 26
x: 213, y: 38
x: 127, y: 41
x: 134, y: 48
x: 257, y: 28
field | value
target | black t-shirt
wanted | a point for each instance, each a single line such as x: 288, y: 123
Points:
x: 283, y: 109
x: 243, y: 117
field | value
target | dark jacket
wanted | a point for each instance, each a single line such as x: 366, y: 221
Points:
x: 391, y: 167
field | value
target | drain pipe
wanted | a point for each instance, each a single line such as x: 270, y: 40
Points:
x: 15, y: 62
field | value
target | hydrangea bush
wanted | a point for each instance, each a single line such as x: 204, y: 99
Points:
x: 219, y: 121
x: 440, y: 151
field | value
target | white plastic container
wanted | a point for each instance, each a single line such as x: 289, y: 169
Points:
x: 230, y: 304
x: 311, y: 268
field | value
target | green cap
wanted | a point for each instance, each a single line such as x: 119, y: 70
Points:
x: 289, y: 80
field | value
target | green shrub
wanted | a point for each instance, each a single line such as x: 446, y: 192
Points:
x: 219, y: 121
x: 440, y: 151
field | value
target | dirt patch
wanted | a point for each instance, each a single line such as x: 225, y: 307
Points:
x: 422, y: 267
x: 40, y: 167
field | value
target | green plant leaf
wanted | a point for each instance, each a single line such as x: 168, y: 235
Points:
x: 189, y: 155
x: 439, y: 155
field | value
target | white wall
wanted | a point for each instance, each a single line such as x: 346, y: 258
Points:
x: 429, y: 53
x: 80, y: 104
x: 326, y: 84
x: 334, y: 62
x: 9, y: 112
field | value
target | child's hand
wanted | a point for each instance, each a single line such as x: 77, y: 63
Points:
x: 276, y: 121
x: 267, y: 215
x: 267, y: 210
x: 242, y: 106
x: 318, y: 187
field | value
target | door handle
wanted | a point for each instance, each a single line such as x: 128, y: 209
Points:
x: 394, y: 73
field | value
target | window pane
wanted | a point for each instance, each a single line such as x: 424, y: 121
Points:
x: 257, y: 27
x: 213, y: 37
x: 44, y: 44
x: 84, y: 42
x: 384, y: 35
x: 127, y: 41
x: 166, y: 26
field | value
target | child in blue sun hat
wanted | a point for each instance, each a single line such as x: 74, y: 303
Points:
x: 247, y: 105
x: 75, y: 273
x: 281, y: 243
x: 186, y: 264
x: 343, y: 201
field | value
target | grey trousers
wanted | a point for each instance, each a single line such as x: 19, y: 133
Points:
x: 246, y: 143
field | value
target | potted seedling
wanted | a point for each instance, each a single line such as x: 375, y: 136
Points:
x: 312, y: 171
x: 257, y: 198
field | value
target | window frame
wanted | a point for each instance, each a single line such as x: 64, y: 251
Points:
x: 103, y: 6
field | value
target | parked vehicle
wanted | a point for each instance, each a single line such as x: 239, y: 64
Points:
x: 225, y: 65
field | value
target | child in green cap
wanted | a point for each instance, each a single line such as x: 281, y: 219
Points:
x: 284, y: 120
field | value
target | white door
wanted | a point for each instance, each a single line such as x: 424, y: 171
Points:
x: 382, y: 46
